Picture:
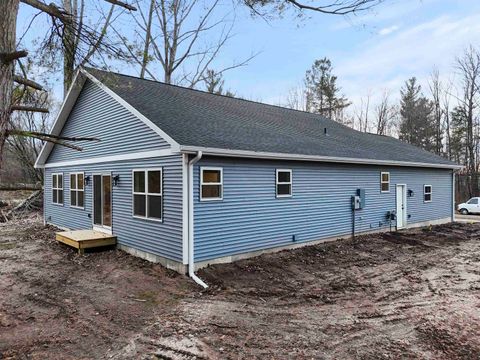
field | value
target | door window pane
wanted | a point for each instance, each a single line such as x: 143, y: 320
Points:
x: 97, y: 199
x: 473, y: 201
x: 107, y: 198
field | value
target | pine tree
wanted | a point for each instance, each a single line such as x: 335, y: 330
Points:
x: 458, y: 134
x: 416, y: 117
x: 322, y: 93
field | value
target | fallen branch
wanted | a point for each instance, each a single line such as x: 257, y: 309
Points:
x: 122, y: 4
x: 27, y: 82
x: 7, y: 58
x: 36, y: 133
x: 29, y: 108
x: 20, y: 186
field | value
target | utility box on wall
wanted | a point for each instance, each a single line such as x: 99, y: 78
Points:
x: 361, y: 195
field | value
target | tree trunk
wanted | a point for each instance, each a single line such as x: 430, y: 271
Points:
x: 8, y: 21
x: 69, y: 46
x: 148, y: 34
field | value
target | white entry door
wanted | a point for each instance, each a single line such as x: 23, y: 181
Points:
x: 401, y: 206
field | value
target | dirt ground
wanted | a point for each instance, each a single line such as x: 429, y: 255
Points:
x: 411, y: 295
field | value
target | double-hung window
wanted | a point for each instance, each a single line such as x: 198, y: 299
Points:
x: 211, y: 183
x: 427, y: 193
x: 385, y: 182
x: 284, y: 183
x: 76, y: 190
x: 148, y: 194
x: 57, y: 189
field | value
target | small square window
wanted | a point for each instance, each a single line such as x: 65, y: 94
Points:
x: 385, y: 182
x: 284, y: 183
x: 211, y: 183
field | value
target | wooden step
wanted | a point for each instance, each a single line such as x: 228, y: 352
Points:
x: 85, y: 239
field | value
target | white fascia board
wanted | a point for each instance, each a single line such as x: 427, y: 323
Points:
x: 298, y: 157
x: 134, y: 111
x: 104, y: 159
x: 65, y: 109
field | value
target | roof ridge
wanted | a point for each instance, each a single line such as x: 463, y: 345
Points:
x: 220, y: 95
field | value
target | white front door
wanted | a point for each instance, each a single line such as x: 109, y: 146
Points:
x: 401, y: 206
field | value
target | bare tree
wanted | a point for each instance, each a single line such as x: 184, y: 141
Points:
x: 362, y: 113
x: 183, y: 48
x: 296, y: 98
x: 26, y: 149
x: 468, y: 66
x: 332, y: 7
x: 10, y: 56
x: 436, y: 90
x: 385, y: 114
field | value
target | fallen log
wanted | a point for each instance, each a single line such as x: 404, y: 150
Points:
x: 33, y: 202
x: 20, y: 186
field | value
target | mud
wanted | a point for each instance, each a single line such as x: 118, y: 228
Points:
x: 412, y: 295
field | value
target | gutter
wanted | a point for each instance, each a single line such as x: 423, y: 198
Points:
x: 299, y: 157
x: 191, y: 258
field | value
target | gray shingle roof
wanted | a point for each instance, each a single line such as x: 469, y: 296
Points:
x: 197, y: 118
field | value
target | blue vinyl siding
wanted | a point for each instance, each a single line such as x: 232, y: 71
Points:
x: 96, y: 114
x: 251, y: 218
x: 159, y: 238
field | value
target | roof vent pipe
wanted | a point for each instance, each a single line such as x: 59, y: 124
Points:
x: 325, y: 131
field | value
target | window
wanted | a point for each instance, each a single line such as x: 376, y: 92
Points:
x: 284, y: 183
x: 385, y: 182
x: 211, y: 183
x: 427, y: 193
x: 147, y: 194
x: 57, y: 189
x: 473, y: 201
x: 76, y: 190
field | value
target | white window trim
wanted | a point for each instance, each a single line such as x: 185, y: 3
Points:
x: 146, y: 193
x: 58, y: 188
x: 425, y: 193
x: 384, y: 182
x: 77, y: 189
x: 202, y: 169
x: 283, y: 183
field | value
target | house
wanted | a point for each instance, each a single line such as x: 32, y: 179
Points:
x: 181, y: 176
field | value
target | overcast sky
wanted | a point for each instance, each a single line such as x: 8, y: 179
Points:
x: 370, y: 52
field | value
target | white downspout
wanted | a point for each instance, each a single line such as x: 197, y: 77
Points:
x: 191, y: 258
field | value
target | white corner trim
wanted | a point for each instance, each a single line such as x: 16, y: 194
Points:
x: 130, y: 108
x: 121, y: 157
x: 67, y: 105
x: 299, y: 157
x: 185, y: 195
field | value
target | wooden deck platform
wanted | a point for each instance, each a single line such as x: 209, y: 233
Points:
x: 85, y: 239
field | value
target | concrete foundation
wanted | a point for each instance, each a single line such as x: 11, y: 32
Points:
x: 183, y: 268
